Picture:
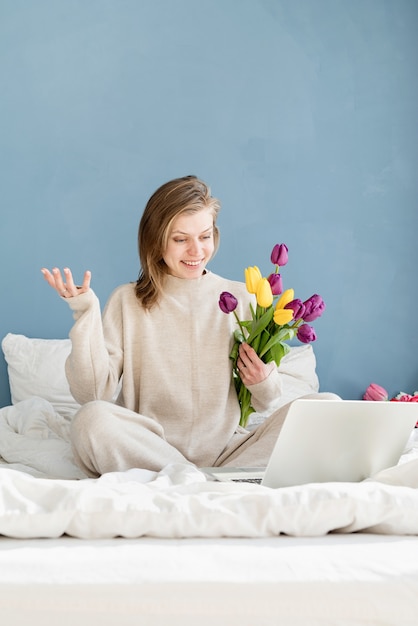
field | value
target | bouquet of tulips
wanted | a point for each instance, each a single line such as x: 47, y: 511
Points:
x: 278, y: 318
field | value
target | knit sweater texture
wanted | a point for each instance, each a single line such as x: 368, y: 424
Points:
x: 171, y: 362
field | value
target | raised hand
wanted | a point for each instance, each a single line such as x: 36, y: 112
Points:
x: 64, y: 285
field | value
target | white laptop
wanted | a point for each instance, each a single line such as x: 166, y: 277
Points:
x: 332, y: 441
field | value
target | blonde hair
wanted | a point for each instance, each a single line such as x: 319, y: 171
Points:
x: 181, y: 195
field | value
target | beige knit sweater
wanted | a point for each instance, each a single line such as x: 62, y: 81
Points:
x: 173, y: 360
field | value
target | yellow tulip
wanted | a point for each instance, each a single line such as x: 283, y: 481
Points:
x: 282, y: 316
x: 264, y: 294
x: 286, y: 297
x: 252, y: 278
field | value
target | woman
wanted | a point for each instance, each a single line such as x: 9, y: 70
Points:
x: 166, y: 343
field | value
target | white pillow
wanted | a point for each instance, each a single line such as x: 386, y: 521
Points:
x: 36, y: 367
x: 298, y: 370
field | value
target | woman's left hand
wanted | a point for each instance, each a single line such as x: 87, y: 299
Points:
x: 251, y: 368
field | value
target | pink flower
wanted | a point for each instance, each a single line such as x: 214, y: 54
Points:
x: 375, y: 392
x: 405, y: 397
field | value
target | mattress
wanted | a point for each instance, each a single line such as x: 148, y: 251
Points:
x: 336, y: 579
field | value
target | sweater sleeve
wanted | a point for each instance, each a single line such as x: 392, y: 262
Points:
x: 94, y: 365
x: 295, y: 377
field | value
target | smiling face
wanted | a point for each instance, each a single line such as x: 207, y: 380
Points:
x: 190, y: 244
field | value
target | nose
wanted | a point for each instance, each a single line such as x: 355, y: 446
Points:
x: 195, y: 247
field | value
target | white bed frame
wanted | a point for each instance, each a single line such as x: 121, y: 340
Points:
x: 332, y: 580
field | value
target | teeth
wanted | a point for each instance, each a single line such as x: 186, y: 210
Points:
x: 192, y: 262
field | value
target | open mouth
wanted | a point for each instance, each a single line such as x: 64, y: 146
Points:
x: 192, y: 263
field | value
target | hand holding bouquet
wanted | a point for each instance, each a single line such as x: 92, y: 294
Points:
x: 278, y: 318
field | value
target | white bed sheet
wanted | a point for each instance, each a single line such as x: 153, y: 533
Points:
x: 179, y: 501
x: 173, y: 549
x: 333, y: 580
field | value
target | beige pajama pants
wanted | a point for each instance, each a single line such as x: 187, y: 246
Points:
x: 109, y: 438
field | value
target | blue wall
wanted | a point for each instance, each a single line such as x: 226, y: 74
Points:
x: 302, y: 116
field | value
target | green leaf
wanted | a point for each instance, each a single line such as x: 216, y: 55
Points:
x: 234, y: 352
x: 278, y: 351
x: 269, y: 345
x: 264, y: 338
x: 238, y: 336
x: 286, y: 333
x: 260, y: 324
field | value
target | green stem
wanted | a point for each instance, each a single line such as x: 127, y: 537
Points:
x: 239, y: 324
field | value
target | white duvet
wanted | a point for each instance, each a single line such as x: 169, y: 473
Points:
x: 179, y: 501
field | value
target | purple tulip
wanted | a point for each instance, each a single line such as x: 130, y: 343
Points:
x: 227, y: 302
x: 297, y: 307
x: 314, y: 307
x: 306, y: 333
x: 279, y: 254
x: 276, y: 284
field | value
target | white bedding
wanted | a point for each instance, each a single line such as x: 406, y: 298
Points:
x: 172, y: 549
x: 337, y: 580
x: 179, y: 501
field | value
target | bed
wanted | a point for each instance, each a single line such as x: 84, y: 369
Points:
x: 175, y: 548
